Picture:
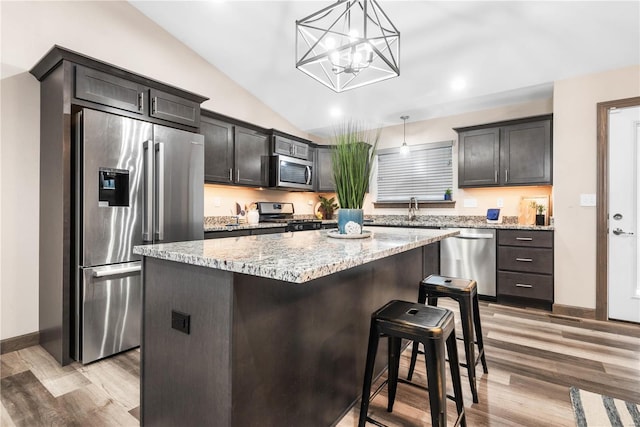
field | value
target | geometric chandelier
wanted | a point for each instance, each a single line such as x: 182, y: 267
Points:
x: 349, y: 44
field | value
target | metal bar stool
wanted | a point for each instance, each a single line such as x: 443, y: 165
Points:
x: 465, y: 292
x: 434, y: 327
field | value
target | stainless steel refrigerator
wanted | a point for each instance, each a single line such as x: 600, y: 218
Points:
x: 136, y: 183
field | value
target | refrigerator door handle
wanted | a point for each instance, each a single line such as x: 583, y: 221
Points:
x: 147, y: 208
x: 115, y: 272
x: 159, y: 233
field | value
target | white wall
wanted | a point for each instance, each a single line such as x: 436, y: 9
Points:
x: 574, y: 169
x: 114, y: 32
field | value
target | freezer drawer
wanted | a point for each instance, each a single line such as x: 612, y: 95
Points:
x: 110, y: 309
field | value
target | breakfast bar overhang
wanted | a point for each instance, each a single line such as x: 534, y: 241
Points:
x: 268, y: 330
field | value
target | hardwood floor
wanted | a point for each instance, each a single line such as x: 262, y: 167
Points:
x: 533, y: 357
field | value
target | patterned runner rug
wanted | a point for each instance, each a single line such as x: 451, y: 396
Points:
x: 596, y: 410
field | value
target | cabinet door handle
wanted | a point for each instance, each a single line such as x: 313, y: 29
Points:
x: 523, y: 285
x: 495, y: 179
x: 506, y: 175
x: 141, y: 101
x: 238, y: 175
x: 526, y: 239
x: 524, y: 259
x: 154, y: 104
x: 230, y: 174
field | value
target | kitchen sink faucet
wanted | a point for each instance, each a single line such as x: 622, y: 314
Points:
x: 413, y: 207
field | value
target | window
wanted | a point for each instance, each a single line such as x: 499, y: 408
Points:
x: 425, y: 173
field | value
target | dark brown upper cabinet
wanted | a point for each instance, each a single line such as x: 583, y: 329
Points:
x: 479, y: 158
x: 324, y: 169
x: 174, y: 108
x: 515, y: 152
x: 218, y: 150
x: 251, y: 150
x: 106, y: 89
x: 289, y: 145
x: 234, y: 154
x: 91, y: 83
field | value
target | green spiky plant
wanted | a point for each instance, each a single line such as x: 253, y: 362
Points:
x: 352, y: 156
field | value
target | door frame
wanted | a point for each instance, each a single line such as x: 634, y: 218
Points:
x: 602, y: 208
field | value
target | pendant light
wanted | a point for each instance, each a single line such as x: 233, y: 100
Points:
x: 348, y: 44
x: 404, y: 149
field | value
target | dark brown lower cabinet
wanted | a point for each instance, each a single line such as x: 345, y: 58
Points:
x: 525, y: 268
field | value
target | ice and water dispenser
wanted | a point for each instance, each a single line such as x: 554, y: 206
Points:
x: 113, y: 187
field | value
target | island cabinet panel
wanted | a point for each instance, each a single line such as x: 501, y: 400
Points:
x: 431, y: 259
x: 515, y: 152
x: 186, y: 378
x: 525, y: 267
x: 261, y: 351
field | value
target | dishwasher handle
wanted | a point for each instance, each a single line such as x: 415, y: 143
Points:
x: 474, y: 236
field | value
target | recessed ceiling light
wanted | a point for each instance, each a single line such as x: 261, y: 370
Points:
x: 458, y: 84
x: 335, y: 112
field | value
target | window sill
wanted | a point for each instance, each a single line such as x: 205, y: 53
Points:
x: 429, y: 204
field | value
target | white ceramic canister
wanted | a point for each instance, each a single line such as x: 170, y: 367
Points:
x: 253, y: 217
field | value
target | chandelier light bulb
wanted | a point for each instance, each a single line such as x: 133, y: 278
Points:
x: 329, y: 42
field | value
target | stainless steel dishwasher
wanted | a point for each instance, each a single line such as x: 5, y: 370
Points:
x: 471, y: 255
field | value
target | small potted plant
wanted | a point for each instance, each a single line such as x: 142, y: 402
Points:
x: 540, y: 218
x: 447, y: 194
x: 327, y: 207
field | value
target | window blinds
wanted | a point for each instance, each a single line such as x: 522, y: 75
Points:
x: 425, y: 173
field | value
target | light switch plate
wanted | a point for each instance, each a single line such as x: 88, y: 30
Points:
x: 587, y: 199
x: 216, y: 202
x: 500, y: 202
x: 470, y: 203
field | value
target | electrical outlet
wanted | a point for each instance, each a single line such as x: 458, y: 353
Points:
x: 310, y: 202
x: 181, y: 322
x: 500, y: 202
x: 470, y: 203
x: 216, y: 202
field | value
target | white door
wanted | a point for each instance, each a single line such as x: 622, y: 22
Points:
x: 624, y: 287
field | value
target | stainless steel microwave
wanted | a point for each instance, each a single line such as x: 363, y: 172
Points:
x: 291, y: 173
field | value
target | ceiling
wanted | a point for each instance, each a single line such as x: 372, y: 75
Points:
x: 507, y: 52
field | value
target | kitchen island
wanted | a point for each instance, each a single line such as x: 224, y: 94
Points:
x: 268, y: 330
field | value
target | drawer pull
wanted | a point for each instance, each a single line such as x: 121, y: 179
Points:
x: 524, y: 259
x: 522, y: 285
x: 526, y: 239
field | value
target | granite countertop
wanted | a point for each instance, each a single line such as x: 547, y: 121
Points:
x: 445, y: 221
x: 293, y: 257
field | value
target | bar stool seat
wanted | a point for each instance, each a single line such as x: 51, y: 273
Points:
x: 464, y: 291
x: 434, y: 327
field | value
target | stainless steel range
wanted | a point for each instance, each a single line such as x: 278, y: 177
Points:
x: 283, y: 212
